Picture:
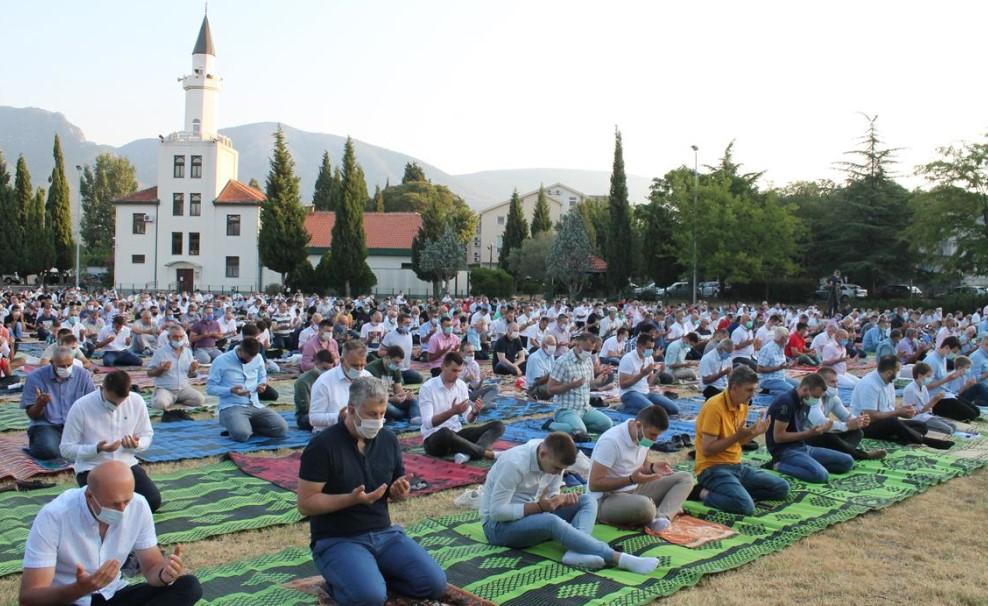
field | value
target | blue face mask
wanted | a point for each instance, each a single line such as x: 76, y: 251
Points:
x: 648, y: 353
x: 724, y: 356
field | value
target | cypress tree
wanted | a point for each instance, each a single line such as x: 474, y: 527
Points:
x: 349, y: 272
x: 619, y: 235
x: 378, y: 199
x: 515, y: 230
x: 23, y: 198
x: 37, y: 244
x: 282, y: 239
x: 58, y: 214
x: 541, y: 221
x: 323, y: 197
x: 10, y: 229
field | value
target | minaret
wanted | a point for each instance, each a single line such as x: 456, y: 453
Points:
x: 202, y: 87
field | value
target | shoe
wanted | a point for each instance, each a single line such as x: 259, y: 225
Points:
x: 684, y: 440
x: 878, y: 453
x: 938, y: 444
x: 460, y: 458
x: 694, y: 493
x: 581, y: 438
x: 470, y: 498
x: 175, y: 415
x: 672, y: 395
x: 548, y: 422
x: 667, y: 446
x: 750, y: 446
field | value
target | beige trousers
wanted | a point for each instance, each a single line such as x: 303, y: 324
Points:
x: 635, y: 508
x: 165, y: 399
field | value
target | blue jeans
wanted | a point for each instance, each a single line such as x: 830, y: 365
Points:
x: 44, y: 440
x: 120, y: 358
x: 611, y: 361
x: 409, y: 409
x: 411, y: 377
x: 634, y: 401
x: 977, y: 394
x: 360, y: 569
x: 734, y: 488
x: 811, y: 463
x: 571, y: 526
x: 573, y: 422
x: 776, y: 386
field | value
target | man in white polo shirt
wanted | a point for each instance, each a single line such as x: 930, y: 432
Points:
x: 632, y: 492
x: 331, y: 391
x: 78, y: 541
x: 171, y: 367
x: 110, y: 423
x: 443, y: 400
x: 715, y: 366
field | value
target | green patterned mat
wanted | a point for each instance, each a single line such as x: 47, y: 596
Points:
x: 258, y: 581
x: 197, y: 503
x: 13, y: 417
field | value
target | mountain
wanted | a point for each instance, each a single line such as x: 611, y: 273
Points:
x: 30, y: 131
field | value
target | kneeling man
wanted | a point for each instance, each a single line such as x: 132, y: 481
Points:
x: 347, y: 474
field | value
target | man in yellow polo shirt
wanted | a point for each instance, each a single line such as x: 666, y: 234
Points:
x: 724, y: 482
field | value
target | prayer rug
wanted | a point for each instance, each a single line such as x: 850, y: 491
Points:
x: 13, y: 418
x: 454, y: 596
x: 691, y: 532
x: 197, y: 439
x: 17, y: 464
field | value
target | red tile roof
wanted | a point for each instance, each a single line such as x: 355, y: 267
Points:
x: 235, y: 192
x: 138, y: 197
x: 383, y: 230
x: 597, y: 265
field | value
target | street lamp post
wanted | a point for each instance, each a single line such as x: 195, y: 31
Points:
x: 696, y: 182
x: 78, y: 229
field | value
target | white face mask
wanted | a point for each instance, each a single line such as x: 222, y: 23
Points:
x: 352, y: 373
x: 831, y: 391
x: 550, y: 349
x: 177, y: 343
x: 469, y: 358
x: 63, y: 373
x: 110, y: 517
x: 368, y: 428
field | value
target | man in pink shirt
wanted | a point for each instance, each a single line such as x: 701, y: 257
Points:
x: 441, y: 343
x: 322, y: 340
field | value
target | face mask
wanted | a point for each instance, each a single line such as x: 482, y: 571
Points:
x: 550, y: 349
x: 469, y: 359
x: 73, y: 320
x: 512, y: 335
x: 403, y: 330
x: 831, y: 391
x: 447, y: 330
x: 176, y: 343
x: 749, y: 324
x: 725, y: 355
x: 811, y: 401
x: 641, y: 438
x: 393, y: 367
x: 63, y: 373
x: 951, y: 356
x: 110, y: 517
x: 927, y: 380
x: 369, y: 428
x: 648, y: 353
x: 325, y: 337
x: 352, y: 373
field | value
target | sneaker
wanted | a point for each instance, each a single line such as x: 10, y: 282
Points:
x: 581, y: 438
x: 659, y: 524
x: 470, y: 498
x: 460, y: 458
x: 175, y: 415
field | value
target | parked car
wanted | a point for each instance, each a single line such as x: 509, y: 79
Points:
x: 898, y: 291
x: 976, y: 291
x: 677, y: 290
x: 848, y: 291
x: 708, y: 290
x: 649, y: 289
x: 12, y: 279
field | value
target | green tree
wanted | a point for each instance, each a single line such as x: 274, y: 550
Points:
x: 527, y: 262
x: 413, y: 173
x: 37, y: 251
x: 325, y: 195
x: 377, y: 202
x: 445, y: 256
x: 110, y: 177
x: 656, y: 226
x: 596, y: 215
x: 515, y: 229
x: 814, y: 203
x: 349, y: 272
x: 253, y: 183
x: 618, y: 251
x: 541, y: 220
x: 568, y: 261
x: 951, y: 220
x: 437, y: 207
x: 58, y: 214
x: 23, y: 208
x: 10, y: 228
x: 282, y: 239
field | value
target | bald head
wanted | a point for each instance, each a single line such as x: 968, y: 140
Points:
x: 112, y: 485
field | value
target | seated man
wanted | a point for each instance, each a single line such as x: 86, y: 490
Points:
x: 772, y: 364
x: 443, y: 400
x: 110, y: 423
x: 612, y: 350
x: 440, y: 344
x: 49, y: 392
x: 874, y: 335
x: 715, y: 366
x: 637, y: 373
x: 918, y: 397
x: 538, y: 369
x: 796, y: 348
x: 725, y: 482
x: 952, y: 404
x: 522, y: 506
x: 791, y: 428
x: 887, y: 346
x: 322, y: 341
x: 171, y: 368
x: 835, y: 355
x: 346, y: 476
x: 69, y: 340
x: 632, y: 492
x: 331, y: 389
x: 874, y: 396
x: 676, y: 357
x: 78, y: 541
x: 115, y: 340
x: 303, y: 387
x: 144, y: 334
x: 401, y: 336
x: 509, y: 353
x: 569, y: 383
x: 238, y: 378
x: 203, y: 335
x: 846, y: 433
x: 401, y: 404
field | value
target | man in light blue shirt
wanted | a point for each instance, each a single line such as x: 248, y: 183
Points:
x: 48, y: 394
x: 237, y: 377
x: 538, y: 369
x: 772, y: 364
x: 874, y: 335
x: 979, y: 362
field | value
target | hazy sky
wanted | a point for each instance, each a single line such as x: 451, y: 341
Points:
x: 471, y: 86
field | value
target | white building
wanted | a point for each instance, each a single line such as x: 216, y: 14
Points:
x: 197, y: 229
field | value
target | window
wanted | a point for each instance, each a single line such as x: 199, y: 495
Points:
x: 476, y: 242
x: 500, y: 241
x: 194, y: 243
x: 476, y: 257
x: 195, y: 171
x: 179, y: 168
x: 178, y: 205
x: 176, y: 242
x: 233, y: 225
x: 195, y: 205
x: 140, y: 226
x: 196, y: 123
x: 233, y: 267
x: 572, y: 199
x: 137, y: 259
x: 500, y: 220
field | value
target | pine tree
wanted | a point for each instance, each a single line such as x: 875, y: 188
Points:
x: 445, y: 256
x: 37, y: 245
x: 10, y: 229
x: 349, y: 272
x: 58, y: 214
x: 619, y: 236
x: 324, y: 196
x: 515, y: 230
x: 541, y: 221
x: 569, y: 256
x: 282, y: 239
x: 110, y: 178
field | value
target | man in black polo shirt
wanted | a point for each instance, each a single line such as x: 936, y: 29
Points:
x: 509, y: 353
x: 790, y: 428
x: 347, y: 474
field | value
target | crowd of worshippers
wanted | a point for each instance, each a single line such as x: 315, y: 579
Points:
x: 356, y: 357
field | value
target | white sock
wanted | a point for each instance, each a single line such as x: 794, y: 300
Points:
x: 637, y: 564
x: 659, y: 524
x: 583, y: 560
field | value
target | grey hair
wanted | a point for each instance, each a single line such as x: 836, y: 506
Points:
x: 367, y: 389
x: 355, y: 345
x: 62, y: 352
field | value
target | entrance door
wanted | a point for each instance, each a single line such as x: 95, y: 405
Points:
x: 185, y: 279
